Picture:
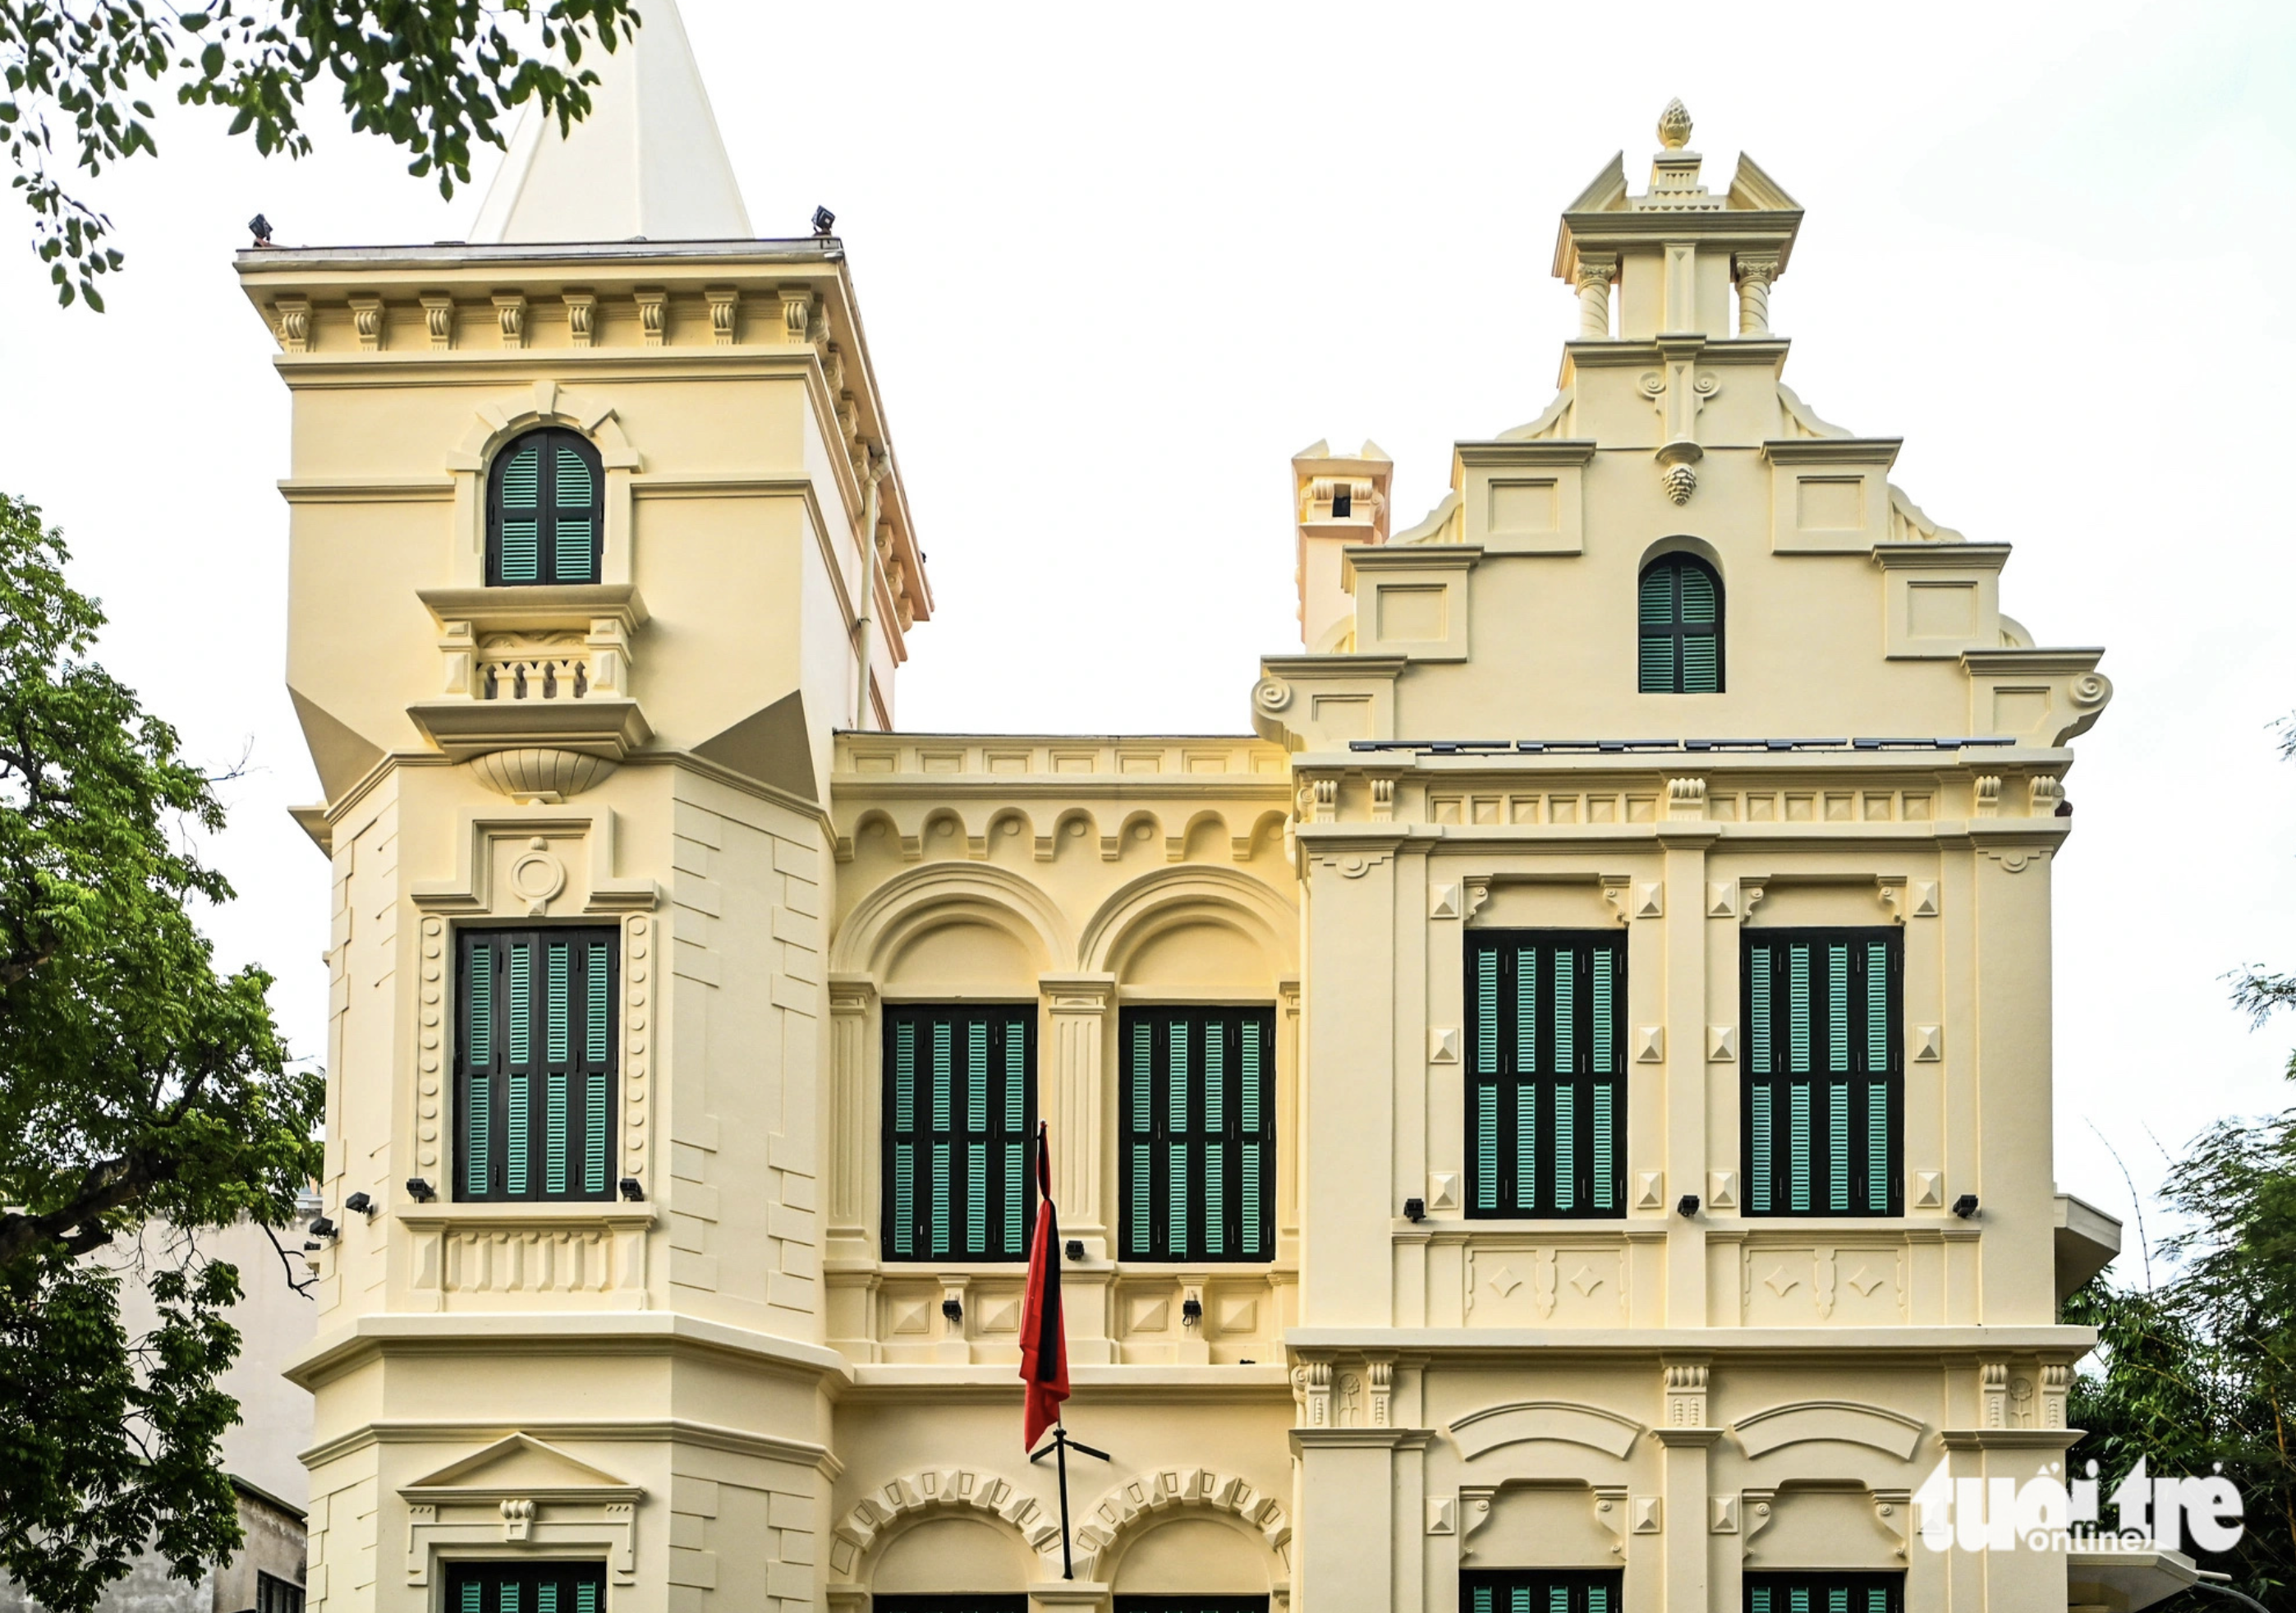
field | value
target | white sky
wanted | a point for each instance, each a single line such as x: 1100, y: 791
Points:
x: 1118, y: 265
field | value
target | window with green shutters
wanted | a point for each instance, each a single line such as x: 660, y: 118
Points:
x: 1541, y: 1591
x: 1681, y: 643
x: 1826, y: 1592
x: 960, y: 1113
x: 535, y: 1065
x: 1547, y: 1083
x: 546, y: 510
x: 1197, y: 1154
x: 1824, y: 1072
x: 526, y: 1587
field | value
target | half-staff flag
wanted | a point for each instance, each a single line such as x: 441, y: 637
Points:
x: 1044, y: 1332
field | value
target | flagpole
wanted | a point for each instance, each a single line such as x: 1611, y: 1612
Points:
x: 1060, y: 1445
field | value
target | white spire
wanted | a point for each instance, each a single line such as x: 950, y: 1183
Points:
x: 646, y: 161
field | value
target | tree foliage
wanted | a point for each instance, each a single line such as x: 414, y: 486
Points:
x: 2202, y: 1369
x: 431, y: 75
x: 137, y: 1085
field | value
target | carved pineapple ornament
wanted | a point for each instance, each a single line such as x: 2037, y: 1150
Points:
x: 1674, y: 125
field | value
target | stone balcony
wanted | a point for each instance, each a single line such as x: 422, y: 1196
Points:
x: 536, y: 684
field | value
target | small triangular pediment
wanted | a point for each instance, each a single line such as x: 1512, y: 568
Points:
x: 1608, y: 193
x: 1753, y: 189
x: 519, y: 1464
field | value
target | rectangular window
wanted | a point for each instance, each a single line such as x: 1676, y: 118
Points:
x: 1546, y: 1084
x: 960, y: 1113
x: 1834, y: 1592
x: 526, y: 1587
x: 1197, y: 1149
x: 1824, y: 1077
x: 534, y: 1068
x: 1541, y: 1591
x: 274, y: 1594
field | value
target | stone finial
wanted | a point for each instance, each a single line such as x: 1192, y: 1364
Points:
x: 1674, y: 125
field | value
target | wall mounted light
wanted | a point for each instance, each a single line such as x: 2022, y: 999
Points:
x: 321, y: 1227
x: 1687, y: 1206
x: 1076, y: 1249
x: 632, y: 1189
x: 359, y: 1204
x: 1191, y: 1311
x: 419, y: 1191
x: 953, y: 1309
x: 1415, y: 1209
x: 1965, y: 1206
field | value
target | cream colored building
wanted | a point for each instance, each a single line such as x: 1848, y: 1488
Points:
x: 1557, y: 1117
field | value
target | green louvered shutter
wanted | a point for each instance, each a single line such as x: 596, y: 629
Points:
x: 1547, y: 1100
x: 1823, y: 1081
x: 546, y: 510
x: 1680, y: 628
x: 1536, y: 1590
x: 1826, y: 1591
x: 960, y: 1113
x: 574, y: 494
x: 536, y: 1063
x: 527, y: 1587
x: 518, y: 522
x: 1659, y: 674
x: 1198, y: 1153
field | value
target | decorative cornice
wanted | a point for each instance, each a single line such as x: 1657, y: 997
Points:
x: 1832, y: 450
x: 1920, y: 556
x: 1559, y: 451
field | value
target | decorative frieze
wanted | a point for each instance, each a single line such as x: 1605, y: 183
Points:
x: 653, y: 313
x: 724, y: 314
x: 510, y: 317
x: 439, y: 319
x: 581, y: 316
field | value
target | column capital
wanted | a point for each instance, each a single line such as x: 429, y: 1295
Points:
x: 1077, y: 994
x: 851, y: 993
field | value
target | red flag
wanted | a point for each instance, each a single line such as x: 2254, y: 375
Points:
x: 1044, y: 1333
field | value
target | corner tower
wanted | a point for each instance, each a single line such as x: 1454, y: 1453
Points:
x: 593, y: 522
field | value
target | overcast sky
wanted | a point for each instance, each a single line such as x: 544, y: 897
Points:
x: 1117, y: 265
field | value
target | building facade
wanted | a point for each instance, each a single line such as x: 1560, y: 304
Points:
x: 1558, y: 1116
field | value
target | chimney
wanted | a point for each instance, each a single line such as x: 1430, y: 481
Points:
x: 1340, y: 500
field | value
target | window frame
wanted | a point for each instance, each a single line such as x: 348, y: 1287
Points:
x: 1762, y: 1066
x: 1157, y: 1020
x: 500, y: 1096
x: 528, y: 1574
x: 547, y: 511
x: 1000, y: 1137
x: 1492, y: 1035
x: 1891, y: 1582
x: 1576, y: 1583
x: 1676, y: 631
x: 276, y: 1594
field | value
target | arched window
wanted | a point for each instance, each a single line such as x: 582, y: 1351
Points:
x: 545, y: 517
x: 1681, y: 626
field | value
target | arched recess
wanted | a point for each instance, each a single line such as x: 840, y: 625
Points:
x: 1139, y: 910
x: 547, y: 404
x: 899, y: 1504
x: 1073, y: 828
x: 1203, y: 833
x: 950, y: 891
x: 1120, y: 1517
x: 1266, y: 827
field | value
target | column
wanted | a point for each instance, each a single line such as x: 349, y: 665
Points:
x: 1686, y: 1519
x: 1685, y: 1014
x: 852, y: 1116
x: 1077, y: 1102
x: 1596, y: 271
x: 1755, y: 274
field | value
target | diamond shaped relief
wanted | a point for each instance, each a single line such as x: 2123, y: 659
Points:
x: 1504, y: 1282
x: 1865, y: 1282
x: 1780, y: 1284
x: 1585, y: 1280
